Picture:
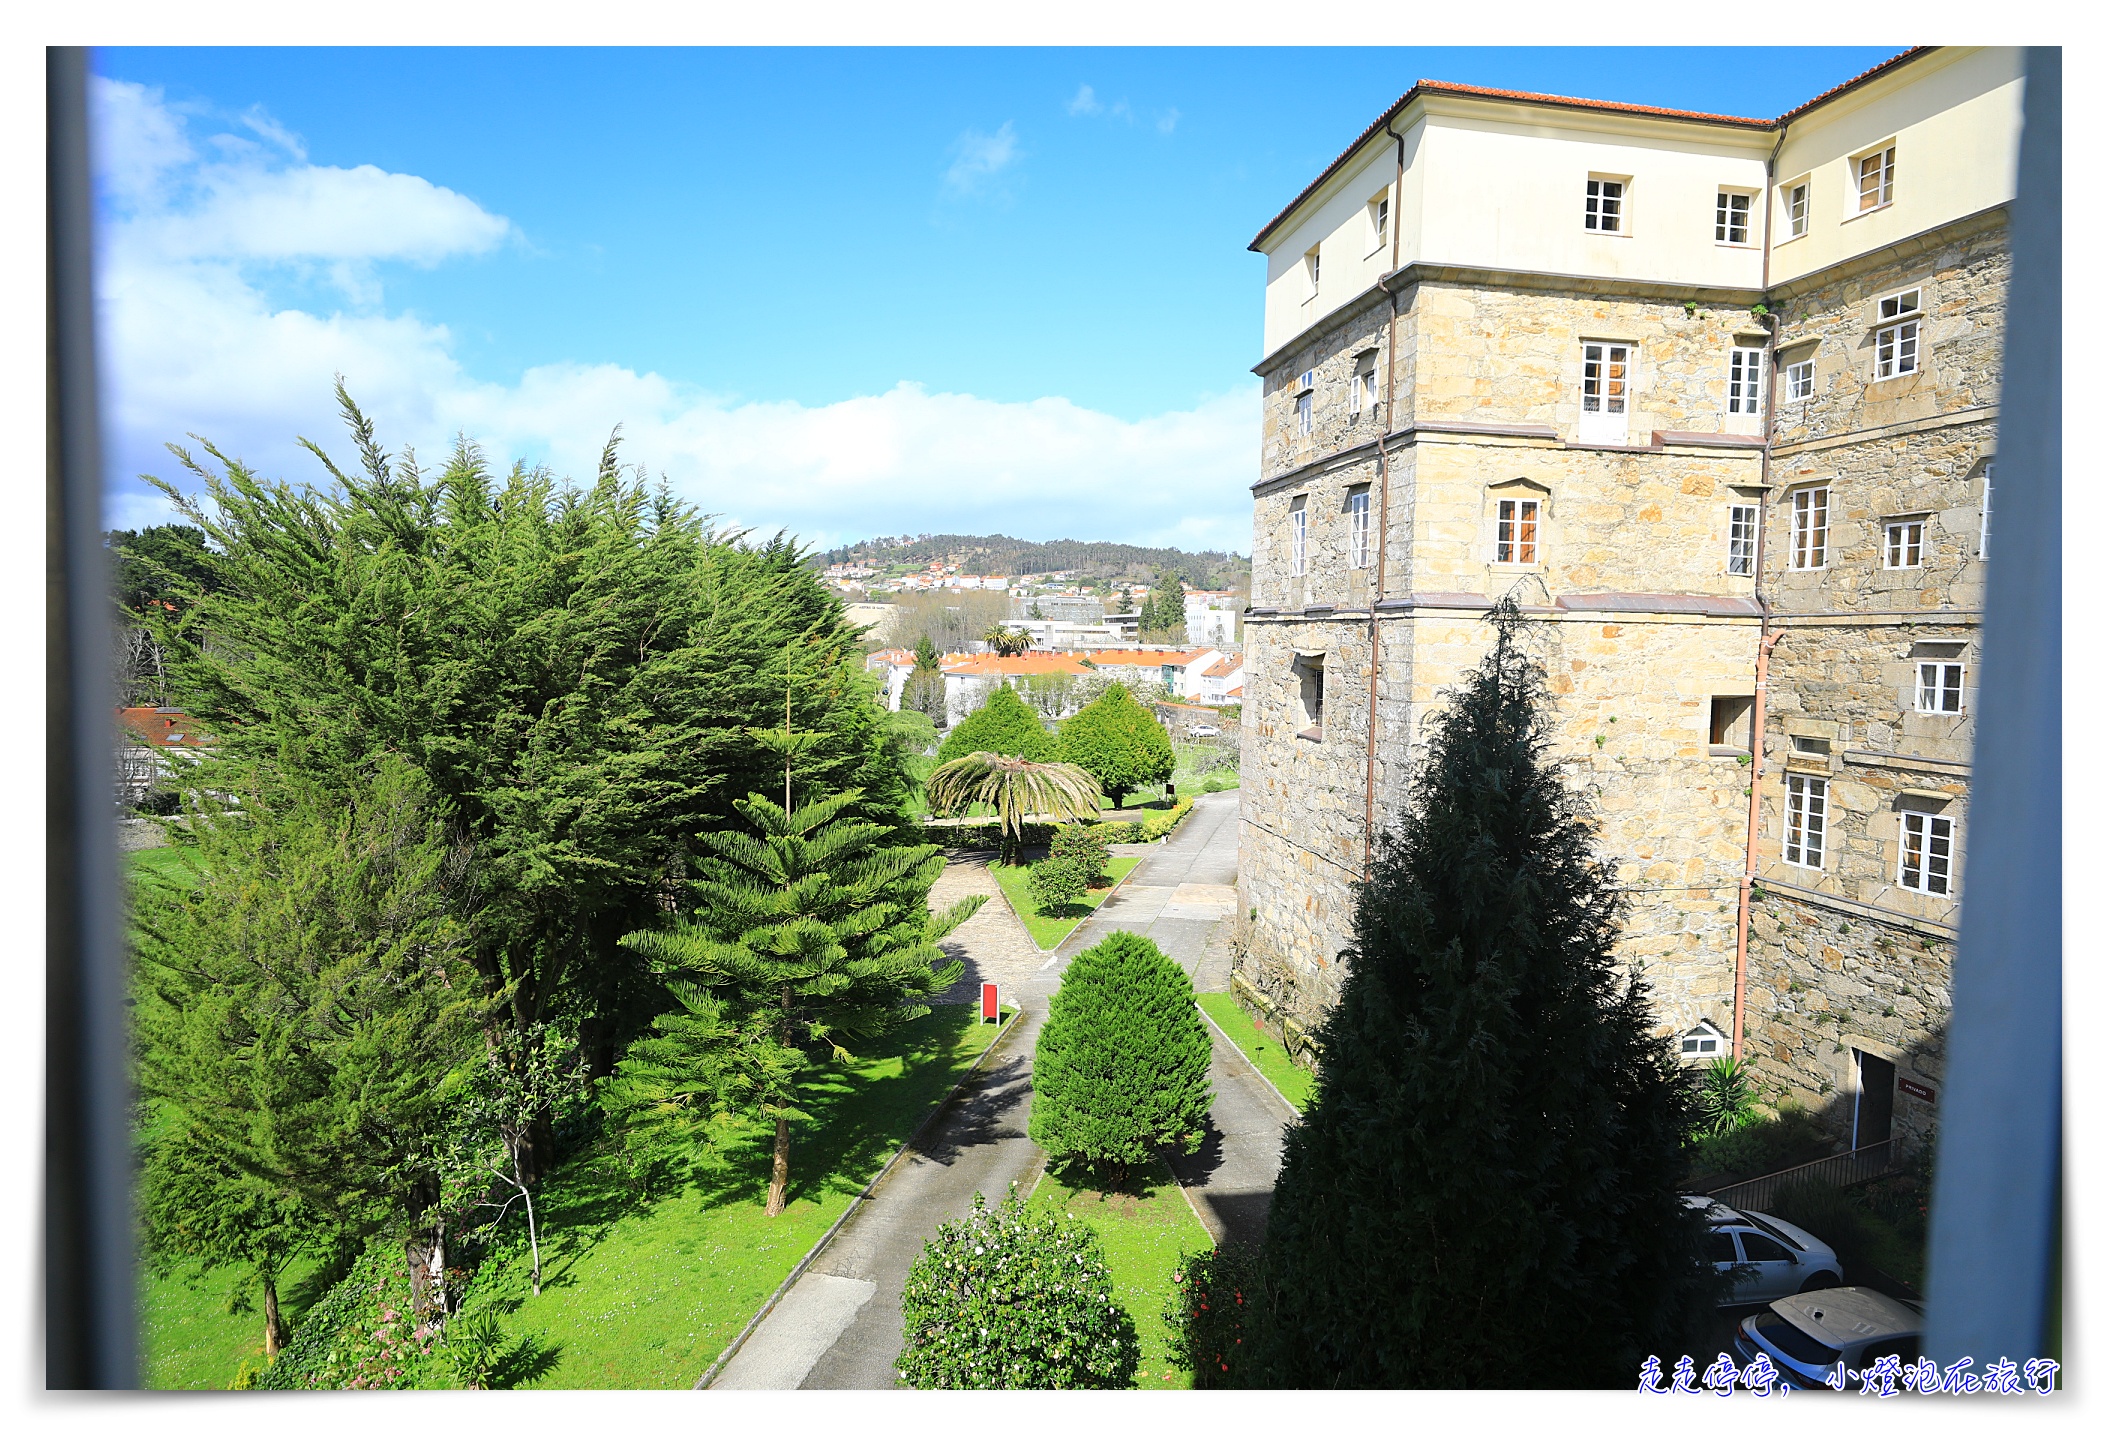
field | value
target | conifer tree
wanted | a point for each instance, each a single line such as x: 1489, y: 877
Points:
x: 1118, y: 742
x: 1483, y: 1192
x: 1001, y: 725
x: 196, y: 1206
x: 810, y: 934
x: 1121, y: 1069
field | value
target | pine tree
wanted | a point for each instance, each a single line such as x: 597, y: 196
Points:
x: 1118, y: 742
x: 1121, y: 1068
x: 1001, y: 725
x: 811, y: 933
x: 1483, y: 1192
x: 305, y: 1003
x: 197, y: 1206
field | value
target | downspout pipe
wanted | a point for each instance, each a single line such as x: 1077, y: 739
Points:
x: 1766, y: 638
x: 1383, y: 501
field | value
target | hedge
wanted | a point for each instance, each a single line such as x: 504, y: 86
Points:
x: 984, y: 834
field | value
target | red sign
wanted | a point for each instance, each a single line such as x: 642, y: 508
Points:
x: 1916, y: 1089
x: 988, y: 1005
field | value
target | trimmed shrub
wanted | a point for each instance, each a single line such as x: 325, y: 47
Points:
x: 1085, y: 847
x: 1118, y: 742
x: 1001, y: 725
x: 1768, y: 1144
x: 1150, y: 829
x: 984, y: 834
x: 1213, y: 1296
x: 1122, y: 1064
x: 1014, y: 1299
x: 1055, y: 883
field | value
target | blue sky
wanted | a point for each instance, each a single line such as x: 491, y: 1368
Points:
x: 845, y: 292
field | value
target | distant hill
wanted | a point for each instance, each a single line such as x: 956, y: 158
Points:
x: 997, y: 553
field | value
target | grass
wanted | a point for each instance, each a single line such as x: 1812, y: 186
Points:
x: 649, y: 1271
x: 1268, y: 1055
x: 198, y: 1328
x: 165, y: 862
x: 1146, y: 1230
x: 1048, y: 931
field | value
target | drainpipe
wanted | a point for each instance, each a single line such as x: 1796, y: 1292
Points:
x: 1766, y: 638
x: 1383, y: 501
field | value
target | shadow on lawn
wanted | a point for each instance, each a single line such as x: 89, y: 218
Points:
x: 857, y: 1121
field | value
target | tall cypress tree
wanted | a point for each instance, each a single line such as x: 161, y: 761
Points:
x: 1483, y: 1192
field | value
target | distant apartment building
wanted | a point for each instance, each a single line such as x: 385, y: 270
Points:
x: 1211, y: 616
x: 1058, y: 607
x: 1715, y: 400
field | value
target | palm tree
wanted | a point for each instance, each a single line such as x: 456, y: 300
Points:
x: 1008, y: 642
x: 1016, y: 788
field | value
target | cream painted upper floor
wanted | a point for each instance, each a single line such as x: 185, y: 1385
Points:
x: 1515, y: 183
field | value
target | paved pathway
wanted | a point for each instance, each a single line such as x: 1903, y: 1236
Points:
x: 839, y: 1326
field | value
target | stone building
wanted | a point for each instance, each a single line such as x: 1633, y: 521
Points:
x: 1714, y: 399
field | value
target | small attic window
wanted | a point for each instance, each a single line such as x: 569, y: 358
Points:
x: 1704, y: 1040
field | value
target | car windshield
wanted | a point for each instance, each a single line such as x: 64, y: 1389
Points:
x: 1758, y: 1221
x: 1794, y: 1342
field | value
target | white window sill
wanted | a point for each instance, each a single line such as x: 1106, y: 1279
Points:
x: 1789, y: 239
x: 1608, y: 233
x: 1732, y: 244
x: 1862, y: 214
x: 1312, y: 735
x: 1727, y: 750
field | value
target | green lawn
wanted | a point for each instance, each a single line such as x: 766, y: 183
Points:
x: 1049, y: 931
x: 166, y: 862
x: 1267, y: 1054
x: 193, y: 1340
x: 1146, y: 1231
x: 646, y: 1276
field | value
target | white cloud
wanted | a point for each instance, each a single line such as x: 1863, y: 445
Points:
x: 1167, y: 122
x: 1085, y: 103
x: 195, y: 343
x: 978, y: 158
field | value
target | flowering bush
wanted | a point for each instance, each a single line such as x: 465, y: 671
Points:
x: 1015, y: 1299
x: 359, y: 1336
x: 1213, y: 1298
x: 1085, y: 847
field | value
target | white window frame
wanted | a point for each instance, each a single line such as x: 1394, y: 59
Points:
x: 1731, y: 209
x: 1810, y: 548
x: 1704, y: 1040
x: 1983, y: 533
x: 1903, y: 304
x: 1361, y: 389
x: 1797, y: 195
x: 1358, y: 528
x: 1518, y: 531
x: 1603, y: 210
x: 1379, y: 221
x: 1298, y: 538
x: 1896, y: 350
x: 1306, y: 402
x: 1883, y: 192
x: 1807, y: 814
x: 1606, y: 390
x: 1745, y: 380
x: 1903, y: 542
x: 1925, y: 852
x: 1742, y: 520
x: 1800, y: 381
x: 1313, y: 267
x: 1942, y: 686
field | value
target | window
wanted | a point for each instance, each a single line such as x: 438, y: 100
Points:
x: 1742, y: 538
x: 1927, y: 861
x: 1312, y: 262
x: 1906, y: 544
x: 1806, y: 799
x: 1379, y: 222
x: 1605, y: 377
x: 1898, y: 306
x: 1877, y: 178
x: 1731, y: 218
x: 1305, y: 400
x: 1605, y: 212
x: 1797, y: 210
x: 1298, y: 537
x: 1728, y: 724
x: 1756, y: 1247
x: 1983, y: 537
x: 1361, y: 393
x: 1516, y: 538
x: 1811, y: 528
x: 1896, y: 351
x: 1800, y: 380
x: 1311, y: 672
x: 1939, y: 687
x: 1744, y: 367
x: 1358, y: 528
x: 1705, y: 1040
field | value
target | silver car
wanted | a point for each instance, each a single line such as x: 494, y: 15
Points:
x: 1768, y: 1258
x: 1820, y: 1338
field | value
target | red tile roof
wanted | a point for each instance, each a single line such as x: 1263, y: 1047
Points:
x: 1223, y: 668
x: 1024, y: 665
x: 162, y: 727
x: 1444, y: 87
x: 1140, y: 657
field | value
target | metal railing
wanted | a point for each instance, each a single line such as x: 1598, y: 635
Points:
x: 1842, y: 1170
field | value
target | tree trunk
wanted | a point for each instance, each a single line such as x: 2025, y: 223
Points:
x: 779, y: 1173
x: 274, y: 1329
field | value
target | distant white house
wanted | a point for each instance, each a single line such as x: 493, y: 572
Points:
x: 1211, y: 616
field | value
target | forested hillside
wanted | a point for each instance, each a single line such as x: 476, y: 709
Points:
x: 997, y: 553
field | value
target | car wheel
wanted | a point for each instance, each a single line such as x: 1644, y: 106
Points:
x: 1820, y: 1281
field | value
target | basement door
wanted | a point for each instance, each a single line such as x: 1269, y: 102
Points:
x: 1874, y: 1106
